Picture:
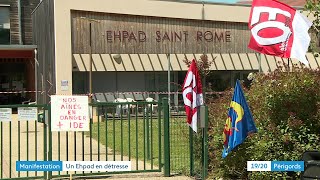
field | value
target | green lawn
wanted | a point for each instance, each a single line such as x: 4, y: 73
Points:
x: 133, y: 139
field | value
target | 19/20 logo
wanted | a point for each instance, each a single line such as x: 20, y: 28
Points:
x: 258, y: 165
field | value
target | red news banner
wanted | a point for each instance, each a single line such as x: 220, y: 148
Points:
x: 69, y: 113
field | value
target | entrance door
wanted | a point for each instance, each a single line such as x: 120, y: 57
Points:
x: 12, y: 82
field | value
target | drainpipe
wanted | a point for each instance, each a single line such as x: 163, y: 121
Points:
x: 36, y: 64
x: 20, y: 23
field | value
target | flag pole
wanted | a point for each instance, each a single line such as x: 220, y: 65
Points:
x: 203, y: 80
x: 204, y: 161
x: 259, y: 59
x: 169, y: 89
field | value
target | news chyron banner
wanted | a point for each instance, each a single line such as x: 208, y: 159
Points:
x: 295, y: 166
x: 69, y: 113
x: 109, y: 166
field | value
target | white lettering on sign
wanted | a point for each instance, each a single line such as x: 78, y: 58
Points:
x: 272, y: 23
x: 69, y: 113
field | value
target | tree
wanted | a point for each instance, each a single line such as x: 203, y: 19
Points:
x: 203, y: 65
x: 313, y: 9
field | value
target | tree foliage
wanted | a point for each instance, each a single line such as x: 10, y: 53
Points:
x: 286, y: 109
x: 313, y: 9
x: 203, y: 64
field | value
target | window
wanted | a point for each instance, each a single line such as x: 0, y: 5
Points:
x: 4, y: 25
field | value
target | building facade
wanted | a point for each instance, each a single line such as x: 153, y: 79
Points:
x: 17, y: 52
x: 108, y: 48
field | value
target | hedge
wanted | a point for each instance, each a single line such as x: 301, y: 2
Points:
x: 286, y: 109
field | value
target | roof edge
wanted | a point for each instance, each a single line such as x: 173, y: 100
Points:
x: 217, y: 3
x: 18, y: 47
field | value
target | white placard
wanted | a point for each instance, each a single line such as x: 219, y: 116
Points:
x: 64, y: 85
x: 6, y: 114
x: 69, y: 113
x: 27, y: 113
x: 6, y: 25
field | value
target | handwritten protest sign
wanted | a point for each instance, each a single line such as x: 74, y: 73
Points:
x: 5, y: 114
x: 69, y: 113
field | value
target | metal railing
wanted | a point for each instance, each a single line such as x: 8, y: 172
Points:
x: 149, y: 134
x: 22, y: 140
x: 118, y: 132
x: 188, y: 150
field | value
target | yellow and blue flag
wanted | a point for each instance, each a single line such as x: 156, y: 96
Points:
x: 239, y: 122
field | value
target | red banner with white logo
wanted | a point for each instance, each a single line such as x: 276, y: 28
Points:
x: 192, y: 95
x: 279, y: 30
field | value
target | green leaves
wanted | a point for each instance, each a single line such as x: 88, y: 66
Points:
x: 312, y: 7
x: 286, y: 109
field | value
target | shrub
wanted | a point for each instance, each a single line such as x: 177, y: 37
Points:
x: 285, y: 106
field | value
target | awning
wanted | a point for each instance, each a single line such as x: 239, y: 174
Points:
x: 159, y: 62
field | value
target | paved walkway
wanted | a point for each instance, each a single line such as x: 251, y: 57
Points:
x: 29, y: 146
x: 136, y: 176
x: 155, y: 176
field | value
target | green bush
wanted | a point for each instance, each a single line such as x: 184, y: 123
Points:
x: 285, y: 106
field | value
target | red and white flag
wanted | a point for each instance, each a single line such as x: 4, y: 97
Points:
x: 279, y: 30
x: 192, y: 95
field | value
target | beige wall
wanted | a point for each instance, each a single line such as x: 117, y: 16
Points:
x: 62, y: 24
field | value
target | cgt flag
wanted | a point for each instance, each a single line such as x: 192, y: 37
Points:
x: 239, y: 122
x: 279, y: 30
x: 192, y: 95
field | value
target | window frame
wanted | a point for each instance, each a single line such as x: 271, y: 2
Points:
x: 9, y: 40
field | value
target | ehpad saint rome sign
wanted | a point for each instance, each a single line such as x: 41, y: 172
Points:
x: 128, y: 34
x: 173, y: 36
